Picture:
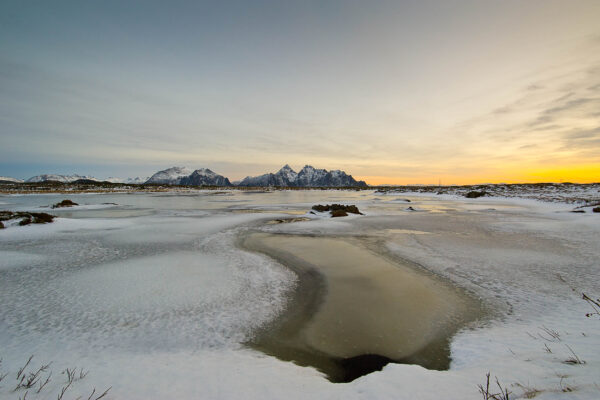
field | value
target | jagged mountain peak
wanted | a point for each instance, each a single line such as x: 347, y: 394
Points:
x: 308, y: 176
x: 187, y: 176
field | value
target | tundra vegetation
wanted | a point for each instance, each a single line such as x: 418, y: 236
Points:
x: 37, y: 382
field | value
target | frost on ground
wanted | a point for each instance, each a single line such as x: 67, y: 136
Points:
x: 153, y: 298
x: 579, y: 194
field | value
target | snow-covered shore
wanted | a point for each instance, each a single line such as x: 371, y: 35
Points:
x: 154, y: 299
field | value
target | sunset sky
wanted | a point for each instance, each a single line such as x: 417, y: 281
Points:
x: 396, y: 92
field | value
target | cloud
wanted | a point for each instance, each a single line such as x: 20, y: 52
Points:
x: 581, y: 107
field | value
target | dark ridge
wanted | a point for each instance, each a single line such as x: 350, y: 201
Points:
x: 87, y: 181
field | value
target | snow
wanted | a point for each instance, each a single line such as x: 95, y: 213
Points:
x: 550, y: 192
x: 136, y: 181
x: 307, y: 177
x: 9, y: 179
x: 206, y: 172
x: 59, y: 178
x: 288, y: 173
x: 155, y: 300
x: 170, y: 175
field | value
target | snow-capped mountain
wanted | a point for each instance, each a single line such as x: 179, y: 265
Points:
x: 132, y: 181
x: 185, y: 176
x: 136, y: 181
x: 205, y: 177
x: 170, y: 176
x: 307, y: 177
x: 59, y: 178
x: 286, y: 176
x: 9, y: 179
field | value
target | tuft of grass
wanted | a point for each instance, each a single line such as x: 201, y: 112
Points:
x: 574, y: 359
x: 528, y: 391
x: 552, y: 335
x: 33, y: 378
x: 488, y: 393
x: 594, y: 303
x: 564, y: 387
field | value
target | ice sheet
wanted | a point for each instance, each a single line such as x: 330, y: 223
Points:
x: 157, y: 305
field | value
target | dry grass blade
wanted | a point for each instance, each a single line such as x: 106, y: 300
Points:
x: 574, y: 360
x: 487, y: 395
x: 528, y: 391
x: 22, y: 369
x: 44, y: 383
x: 553, y: 336
x: 91, y: 397
x: 594, y: 303
x: 63, y: 390
x: 103, y: 394
x: 70, y: 375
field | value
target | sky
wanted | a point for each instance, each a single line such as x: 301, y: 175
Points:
x: 398, y: 92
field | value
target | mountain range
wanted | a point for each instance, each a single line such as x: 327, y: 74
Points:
x: 308, y: 176
x: 74, y: 178
x: 185, y: 176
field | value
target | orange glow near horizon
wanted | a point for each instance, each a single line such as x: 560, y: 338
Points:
x: 574, y: 174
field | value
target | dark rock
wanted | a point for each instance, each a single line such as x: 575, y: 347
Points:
x: 42, y: 218
x: 26, y: 217
x: 288, y: 220
x: 596, y: 209
x: 578, y: 211
x: 25, y: 221
x: 204, y: 177
x: 474, y: 194
x: 339, y: 213
x: 1, y: 225
x: 337, y: 210
x: 65, y: 203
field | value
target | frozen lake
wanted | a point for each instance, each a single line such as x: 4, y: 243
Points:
x: 150, y: 293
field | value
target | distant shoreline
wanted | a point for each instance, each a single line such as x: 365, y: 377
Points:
x: 581, y: 194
